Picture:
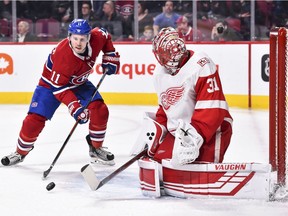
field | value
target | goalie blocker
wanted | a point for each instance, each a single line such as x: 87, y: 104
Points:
x: 207, y: 180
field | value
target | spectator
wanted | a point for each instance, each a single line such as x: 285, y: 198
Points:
x: 147, y: 34
x: 241, y: 9
x: 87, y: 13
x: 218, y: 10
x: 109, y: 12
x: 3, y: 38
x: 165, y: 19
x: 211, y: 10
x: 263, y: 14
x: 43, y: 9
x: 110, y: 20
x: 23, y: 33
x: 222, y: 32
x: 25, y: 10
x: 124, y: 7
x: 154, y: 6
x: 144, y: 17
x: 183, y: 7
x: 62, y: 12
x: 97, y: 7
x: 203, y: 9
x: 279, y: 13
x: 6, y: 9
x: 185, y: 30
x: 126, y: 11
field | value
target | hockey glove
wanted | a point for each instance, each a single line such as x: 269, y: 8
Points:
x: 186, y: 145
x: 78, y: 112
x: 111, y: 62
x: 151, y: 135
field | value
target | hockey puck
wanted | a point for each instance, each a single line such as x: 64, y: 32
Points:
x: 50, y: 186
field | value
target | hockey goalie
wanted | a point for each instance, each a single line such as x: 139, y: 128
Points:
x: 190, y: 132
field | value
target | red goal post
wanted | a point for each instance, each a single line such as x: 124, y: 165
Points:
x: 278, y: 81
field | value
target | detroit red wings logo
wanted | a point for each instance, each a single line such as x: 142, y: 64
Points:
x: 171, y: 96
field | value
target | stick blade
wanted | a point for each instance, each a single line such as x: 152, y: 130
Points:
x: 89, y: 176
x: 46, y: 173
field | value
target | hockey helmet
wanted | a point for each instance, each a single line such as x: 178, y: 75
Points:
x: 80, y: 27
x: 168, y: 49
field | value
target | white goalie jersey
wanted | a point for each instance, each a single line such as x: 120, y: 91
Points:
x: 194, y: 91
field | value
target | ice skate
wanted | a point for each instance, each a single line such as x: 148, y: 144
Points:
x: 100, y: 155
x: 12, y: 159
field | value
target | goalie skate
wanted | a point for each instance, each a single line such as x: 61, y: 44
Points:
x: 100, y: 155
x: 12, y: 159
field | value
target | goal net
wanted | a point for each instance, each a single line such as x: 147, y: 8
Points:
x: 278, y: 82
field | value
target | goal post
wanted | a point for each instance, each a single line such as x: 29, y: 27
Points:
x: 278, y: 73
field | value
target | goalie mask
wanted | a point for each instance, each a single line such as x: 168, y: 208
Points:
x: 168, y: 49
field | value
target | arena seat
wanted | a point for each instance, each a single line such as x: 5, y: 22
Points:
x: 47, y: 29
x: 234, y: 23
x: 5, y: 27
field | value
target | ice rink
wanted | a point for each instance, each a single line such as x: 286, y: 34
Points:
x: 23, y: 192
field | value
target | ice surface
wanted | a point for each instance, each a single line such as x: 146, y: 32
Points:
x: 23, y: 192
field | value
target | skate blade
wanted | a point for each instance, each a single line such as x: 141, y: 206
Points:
x: 101, y: 162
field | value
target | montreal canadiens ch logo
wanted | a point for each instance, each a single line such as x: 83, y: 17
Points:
x: 171, y: 96
x: 80, y: 79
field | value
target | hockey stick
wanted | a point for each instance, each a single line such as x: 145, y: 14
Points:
x: 46, y: 173
x: 89, y: 175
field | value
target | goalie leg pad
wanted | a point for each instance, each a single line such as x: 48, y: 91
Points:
x: 150, y: 175
x: 217, y: 180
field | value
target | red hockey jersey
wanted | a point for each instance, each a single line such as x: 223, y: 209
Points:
x: 65, y: 69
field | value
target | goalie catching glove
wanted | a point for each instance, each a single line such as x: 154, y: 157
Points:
x: 186, y: 145
x: 111, y: 62
x: 78, y: 112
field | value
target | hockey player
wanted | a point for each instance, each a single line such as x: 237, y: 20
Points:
x: 65, y: 80
x: 193, y: 120
x: 192, y: 123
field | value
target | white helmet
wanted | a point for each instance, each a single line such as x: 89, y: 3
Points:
x: 168, y: 49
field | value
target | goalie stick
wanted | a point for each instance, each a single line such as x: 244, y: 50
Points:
x: 46, y: 173
x: 94, y: 183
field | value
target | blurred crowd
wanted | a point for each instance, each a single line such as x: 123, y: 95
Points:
x: 229, y: 20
